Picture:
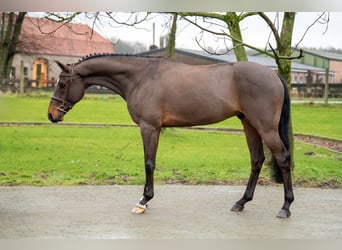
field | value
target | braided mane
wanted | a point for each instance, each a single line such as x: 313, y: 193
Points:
x: 96, y: 55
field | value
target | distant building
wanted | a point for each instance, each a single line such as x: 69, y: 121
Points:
x: 324, y: 59
x: 41, y: 42
x: 299, y: 71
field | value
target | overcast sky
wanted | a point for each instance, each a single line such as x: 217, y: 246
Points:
x: 254, y: 29
x: 255, y: 32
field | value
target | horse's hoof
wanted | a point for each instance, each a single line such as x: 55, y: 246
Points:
x: 284, y: 213
x: 139, y: 209
x: 237, y: 208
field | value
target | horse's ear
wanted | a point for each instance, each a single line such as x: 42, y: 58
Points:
x: 62, y: 66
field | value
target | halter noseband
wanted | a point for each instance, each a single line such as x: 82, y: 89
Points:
x: 66, y: 104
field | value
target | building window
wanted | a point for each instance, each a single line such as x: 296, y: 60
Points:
x: 301, y: 79
x: 295, y: 79
x: 25, y: 71
x: 13, y: 72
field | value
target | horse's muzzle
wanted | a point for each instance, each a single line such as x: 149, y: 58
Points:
x: 54, y: 120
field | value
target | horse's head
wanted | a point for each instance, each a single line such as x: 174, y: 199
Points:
x: 68, y: 92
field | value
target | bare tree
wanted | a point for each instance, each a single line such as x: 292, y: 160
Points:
x: 10, y: 27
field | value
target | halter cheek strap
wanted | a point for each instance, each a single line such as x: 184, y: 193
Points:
x: 66, y: 105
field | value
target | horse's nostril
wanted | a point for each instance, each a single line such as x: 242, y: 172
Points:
x: 51, y: 118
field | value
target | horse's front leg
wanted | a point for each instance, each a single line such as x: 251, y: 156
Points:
x: 150, y: 137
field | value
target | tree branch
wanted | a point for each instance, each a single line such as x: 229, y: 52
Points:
x: 272, y: 27
x: 210, y: 52
x: 247, y: 14
x: 309, y: 27
x: 277, y: 57
x: 228, y: 35
x: 40, y: 26
x: 59, y: 18
x: 128, y: 21
x: 222, y: 33
x: 203, y: 14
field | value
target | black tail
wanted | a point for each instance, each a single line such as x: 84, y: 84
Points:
x: 283, y: 132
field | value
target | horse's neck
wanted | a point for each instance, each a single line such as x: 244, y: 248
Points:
x: 116, y: 73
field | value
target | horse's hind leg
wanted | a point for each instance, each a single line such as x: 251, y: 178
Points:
x: 282, y: 157
x: 257, y: 159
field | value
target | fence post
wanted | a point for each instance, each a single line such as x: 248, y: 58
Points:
x: 326, y: 86
x: 21, y: 83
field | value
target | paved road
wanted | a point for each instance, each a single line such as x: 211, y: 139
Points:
x: 176, y: 212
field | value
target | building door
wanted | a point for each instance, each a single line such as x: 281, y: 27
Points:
x: 39, y: 72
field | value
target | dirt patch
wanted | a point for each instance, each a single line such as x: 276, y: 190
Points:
x: 331, y: 144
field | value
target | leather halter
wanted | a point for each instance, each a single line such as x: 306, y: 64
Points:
x: 66, y: 105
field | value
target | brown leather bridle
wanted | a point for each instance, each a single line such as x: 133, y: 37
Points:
x: 66, y: 105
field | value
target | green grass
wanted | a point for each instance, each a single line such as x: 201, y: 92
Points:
x: 59, y: 155
x: 91, y: 109
x: 56, y: 155
x: 63, y: 155
x: 318, y: 119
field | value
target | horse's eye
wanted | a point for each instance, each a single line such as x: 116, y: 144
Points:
x: 61, y: 85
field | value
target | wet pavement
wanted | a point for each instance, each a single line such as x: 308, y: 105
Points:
x: 176, y: 212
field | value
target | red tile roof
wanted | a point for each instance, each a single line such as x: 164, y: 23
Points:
x: 67, y: 39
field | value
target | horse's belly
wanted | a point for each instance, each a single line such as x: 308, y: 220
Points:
x: 202, y: 115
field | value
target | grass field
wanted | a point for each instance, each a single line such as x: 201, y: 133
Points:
x: 62, y: 155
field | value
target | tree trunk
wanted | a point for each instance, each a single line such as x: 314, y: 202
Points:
x: 11, y: 24
x: 233, y: 23
x: 284, y: 46
x: 172, y: 37
x: 284, y: 65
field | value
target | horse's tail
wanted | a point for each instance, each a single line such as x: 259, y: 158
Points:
x: 283, y: 129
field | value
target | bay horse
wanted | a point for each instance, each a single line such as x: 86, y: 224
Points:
x: 161, y: 92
